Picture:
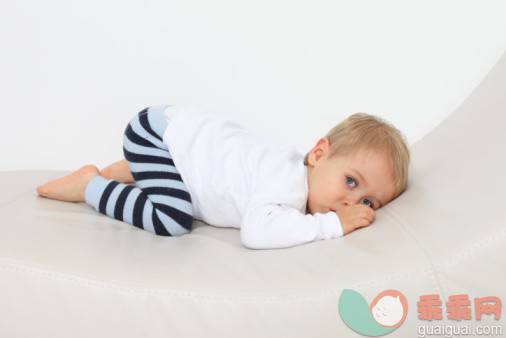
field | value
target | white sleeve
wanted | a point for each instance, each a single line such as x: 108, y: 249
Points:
x: 272, y: 226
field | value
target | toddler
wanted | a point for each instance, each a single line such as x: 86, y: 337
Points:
x: 187, y: 164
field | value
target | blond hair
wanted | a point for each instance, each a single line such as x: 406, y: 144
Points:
x: 367, y: 131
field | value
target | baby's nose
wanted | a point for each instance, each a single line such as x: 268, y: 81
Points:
x: 350, y: 200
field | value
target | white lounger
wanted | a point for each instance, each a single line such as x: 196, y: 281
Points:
x: 68, y: 271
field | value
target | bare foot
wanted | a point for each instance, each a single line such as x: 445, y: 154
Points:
x: 70, y: 188
x: 118, y: 171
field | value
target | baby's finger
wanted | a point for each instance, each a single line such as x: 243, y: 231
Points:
x: 368, y: 214
x: 361, y: 222
x: 372, y: 213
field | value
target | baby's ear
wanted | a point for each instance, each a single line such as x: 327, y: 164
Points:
x: 311, y: 160
x: 321, y: 147
x: 324, y: 143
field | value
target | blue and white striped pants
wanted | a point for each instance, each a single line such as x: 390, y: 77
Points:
x: 160, y: 203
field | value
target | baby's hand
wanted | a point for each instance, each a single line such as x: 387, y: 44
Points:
x: 355, y: 216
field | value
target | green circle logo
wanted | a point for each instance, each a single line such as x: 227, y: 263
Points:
x: 386, y: 312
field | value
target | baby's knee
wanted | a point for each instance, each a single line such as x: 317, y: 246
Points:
x: 173, y: 233
x: 167, y: 226
x: 186, y: 226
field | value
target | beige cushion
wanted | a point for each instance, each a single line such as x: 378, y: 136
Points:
x: 68, y: 271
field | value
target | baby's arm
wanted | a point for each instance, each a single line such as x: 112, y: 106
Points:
x: 272, y: 226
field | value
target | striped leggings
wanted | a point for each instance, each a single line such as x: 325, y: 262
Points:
x: 160, y: 203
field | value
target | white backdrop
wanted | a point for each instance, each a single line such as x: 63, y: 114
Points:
x: 73, y: 73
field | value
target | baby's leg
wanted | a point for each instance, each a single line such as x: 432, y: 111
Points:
x: 161, y: 203
x: 118, y: 171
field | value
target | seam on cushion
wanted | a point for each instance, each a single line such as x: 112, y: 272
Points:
x: 392, y: 277
x: 437, y: 278
x: 16, y: 198
x: 473, y: 248
x: 209, y: 297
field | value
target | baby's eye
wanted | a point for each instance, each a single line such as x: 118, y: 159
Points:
x: 367, y: 202
x: 351, y: 182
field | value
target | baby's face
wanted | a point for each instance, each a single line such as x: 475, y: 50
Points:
x: 335, y: 182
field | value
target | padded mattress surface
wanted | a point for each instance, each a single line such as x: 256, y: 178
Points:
x: 66, y: 270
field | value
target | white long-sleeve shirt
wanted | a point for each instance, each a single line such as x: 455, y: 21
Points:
x: 240, y: 180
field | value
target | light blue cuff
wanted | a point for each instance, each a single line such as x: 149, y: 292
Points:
x: 95, y: 190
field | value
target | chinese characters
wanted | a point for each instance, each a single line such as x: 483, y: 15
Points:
x: 458, y: 307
